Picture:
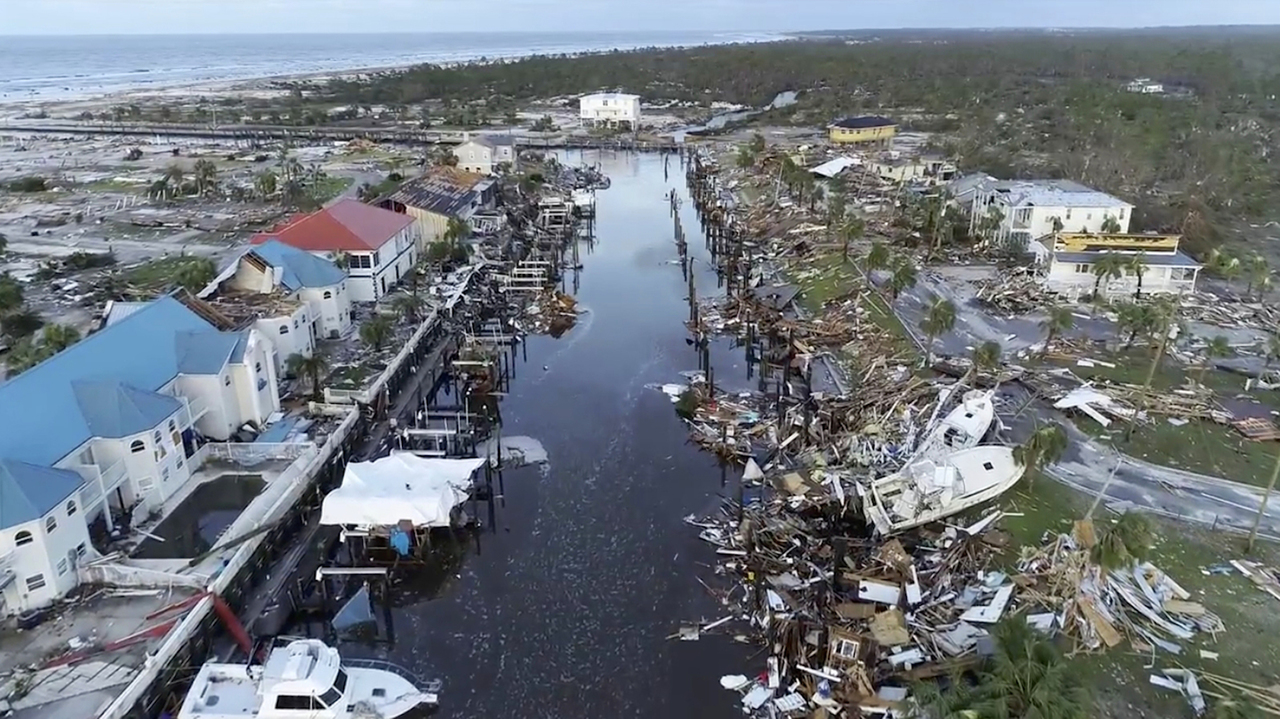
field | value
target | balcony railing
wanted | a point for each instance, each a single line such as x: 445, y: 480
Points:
x: 197, y: 407
x: 7, y: 572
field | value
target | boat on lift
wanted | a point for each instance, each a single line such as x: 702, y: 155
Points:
x: 928, y: 489
x: 307, y: 678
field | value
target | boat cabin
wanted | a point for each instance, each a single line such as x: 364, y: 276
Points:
x: 303, y: 679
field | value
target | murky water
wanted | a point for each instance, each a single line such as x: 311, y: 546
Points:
x: 566, y: 608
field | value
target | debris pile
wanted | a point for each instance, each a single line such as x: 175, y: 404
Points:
x: 1011, y: 293
x: 552, y: 313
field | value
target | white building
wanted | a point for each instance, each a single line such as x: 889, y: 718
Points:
x: 379, y: 247
x: 1070, y: 259
x: 111, y: 425
x: 610, y: 109
x: 483, y: 154
x: 293, y: 297
x: 1033, y: 209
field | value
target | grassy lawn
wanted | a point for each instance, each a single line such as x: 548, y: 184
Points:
x: 158, y: 273
x: 350, y: 377
x: 329, y: 188
x: 1183, y: 551
x: 1198, y: 446
x: 827, y: 278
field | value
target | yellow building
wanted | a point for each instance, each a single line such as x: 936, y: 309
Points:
x: 868, y: 128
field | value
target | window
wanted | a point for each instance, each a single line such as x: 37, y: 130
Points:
x: 284, y: 329
x: 50, y: 524
x: 155, y: 436
x: 81, y: 549
x: 334, y: 693
x: 1122, y: 213
x: 257, y: 366
x: 1082, y: 269
x: 1068, y: 213
x: 988, y: 466
x: 71, y: 507
x: 173, y: 426
x: 179, y: 461
x: 23, y: 537
x: 177, y: 439
x: 34, y: 582
x: 164, y: 474
x: 226, y: 381
x: 377, y: 260
x: 137, y: 446
x: 62, y: 567
x: 295, y: 702
x: 846, y: 649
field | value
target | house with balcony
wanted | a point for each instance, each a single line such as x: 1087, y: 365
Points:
x: 378, y: 247
x: 1034, y: 209
x: 108, y: 429
x: 292, y: 296
x: 485, y: 154
x: 865, y: 129
x: 609, y: 109
x: 1070, y: 259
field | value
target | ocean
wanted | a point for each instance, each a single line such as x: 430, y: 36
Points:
x: 37, y: 68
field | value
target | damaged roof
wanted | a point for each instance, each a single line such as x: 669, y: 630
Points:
x: 863, y: 122
x: 299, y: 269
x: 347, y: 226
x: 443, y: 191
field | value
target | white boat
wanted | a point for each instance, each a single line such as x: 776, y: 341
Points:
x: 928, y: 490
x: 585, y: 201
x: 962, y: 428
x: 305, y: 678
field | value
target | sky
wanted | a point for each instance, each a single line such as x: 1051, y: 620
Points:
x: 80, y: 17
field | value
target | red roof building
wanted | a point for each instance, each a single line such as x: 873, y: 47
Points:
x: 380, y: 246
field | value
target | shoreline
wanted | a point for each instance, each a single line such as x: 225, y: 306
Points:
x: 20, y: 107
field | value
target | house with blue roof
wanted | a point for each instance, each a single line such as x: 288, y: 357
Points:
x: 110, y: 428
x: 293, y: 297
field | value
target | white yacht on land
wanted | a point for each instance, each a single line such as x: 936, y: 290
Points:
x: 962, y: 428
x: 930, y: 489
x: 305, y: 679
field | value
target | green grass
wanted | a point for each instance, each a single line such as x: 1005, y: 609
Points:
x: 1198, y: 446
x: 157, y: 273
x: 1119, y: 676
x: 329, y: 188
x: 350, y: 377
x: 827, y: 278
x: 116, y: 186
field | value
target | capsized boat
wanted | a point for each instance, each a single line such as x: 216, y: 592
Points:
x: 962, y: 428
x: 305, y: 677
x: 927, y: 489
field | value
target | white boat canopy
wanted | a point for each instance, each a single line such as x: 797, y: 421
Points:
x: 402, y: 486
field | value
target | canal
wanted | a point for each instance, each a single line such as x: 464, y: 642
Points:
x: 565, y: 608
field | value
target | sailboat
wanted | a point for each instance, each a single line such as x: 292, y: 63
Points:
x: 929, y: 489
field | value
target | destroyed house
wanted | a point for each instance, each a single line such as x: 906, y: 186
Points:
x: 1033, y: 209
x: 1069, y: 259
x: 293, y: 297
x: 441, y: 194
x: 378, y: 247
x: 862, y: 129
x: 114, y: 424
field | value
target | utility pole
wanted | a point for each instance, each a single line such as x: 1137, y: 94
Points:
x: 1262, y: 508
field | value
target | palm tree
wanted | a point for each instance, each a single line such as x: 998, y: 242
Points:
x: 903, y: 277
x: 986, y: 357
x: 1137, y: 264
x: 851, y: 231
x: 1057, y: 224
x: 409, y: 305
x: 59, y: 337
x: 1058, y: 321
x: 1025, y: 677
x: 206, y: 176
x: 1043, y: 448
x: 26, y: 354
x: 746, y: 160
x: 937, y: 320
x: 1110, y: 225
x: 1136, y: 320
x: 1123, y: 542
x: 1258, y: 273
x: 173, y: 176
x: 990, y: 223
x: 20, y: 323
x: 312, y: 368
x: 376, y: 331
x: 1109, y: 266
x: 1217, y: 347
x: 195, y: 274
x: 11, y: 296
x: 877, y: 258
x: 456, y: 231
x: 265, y: 183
